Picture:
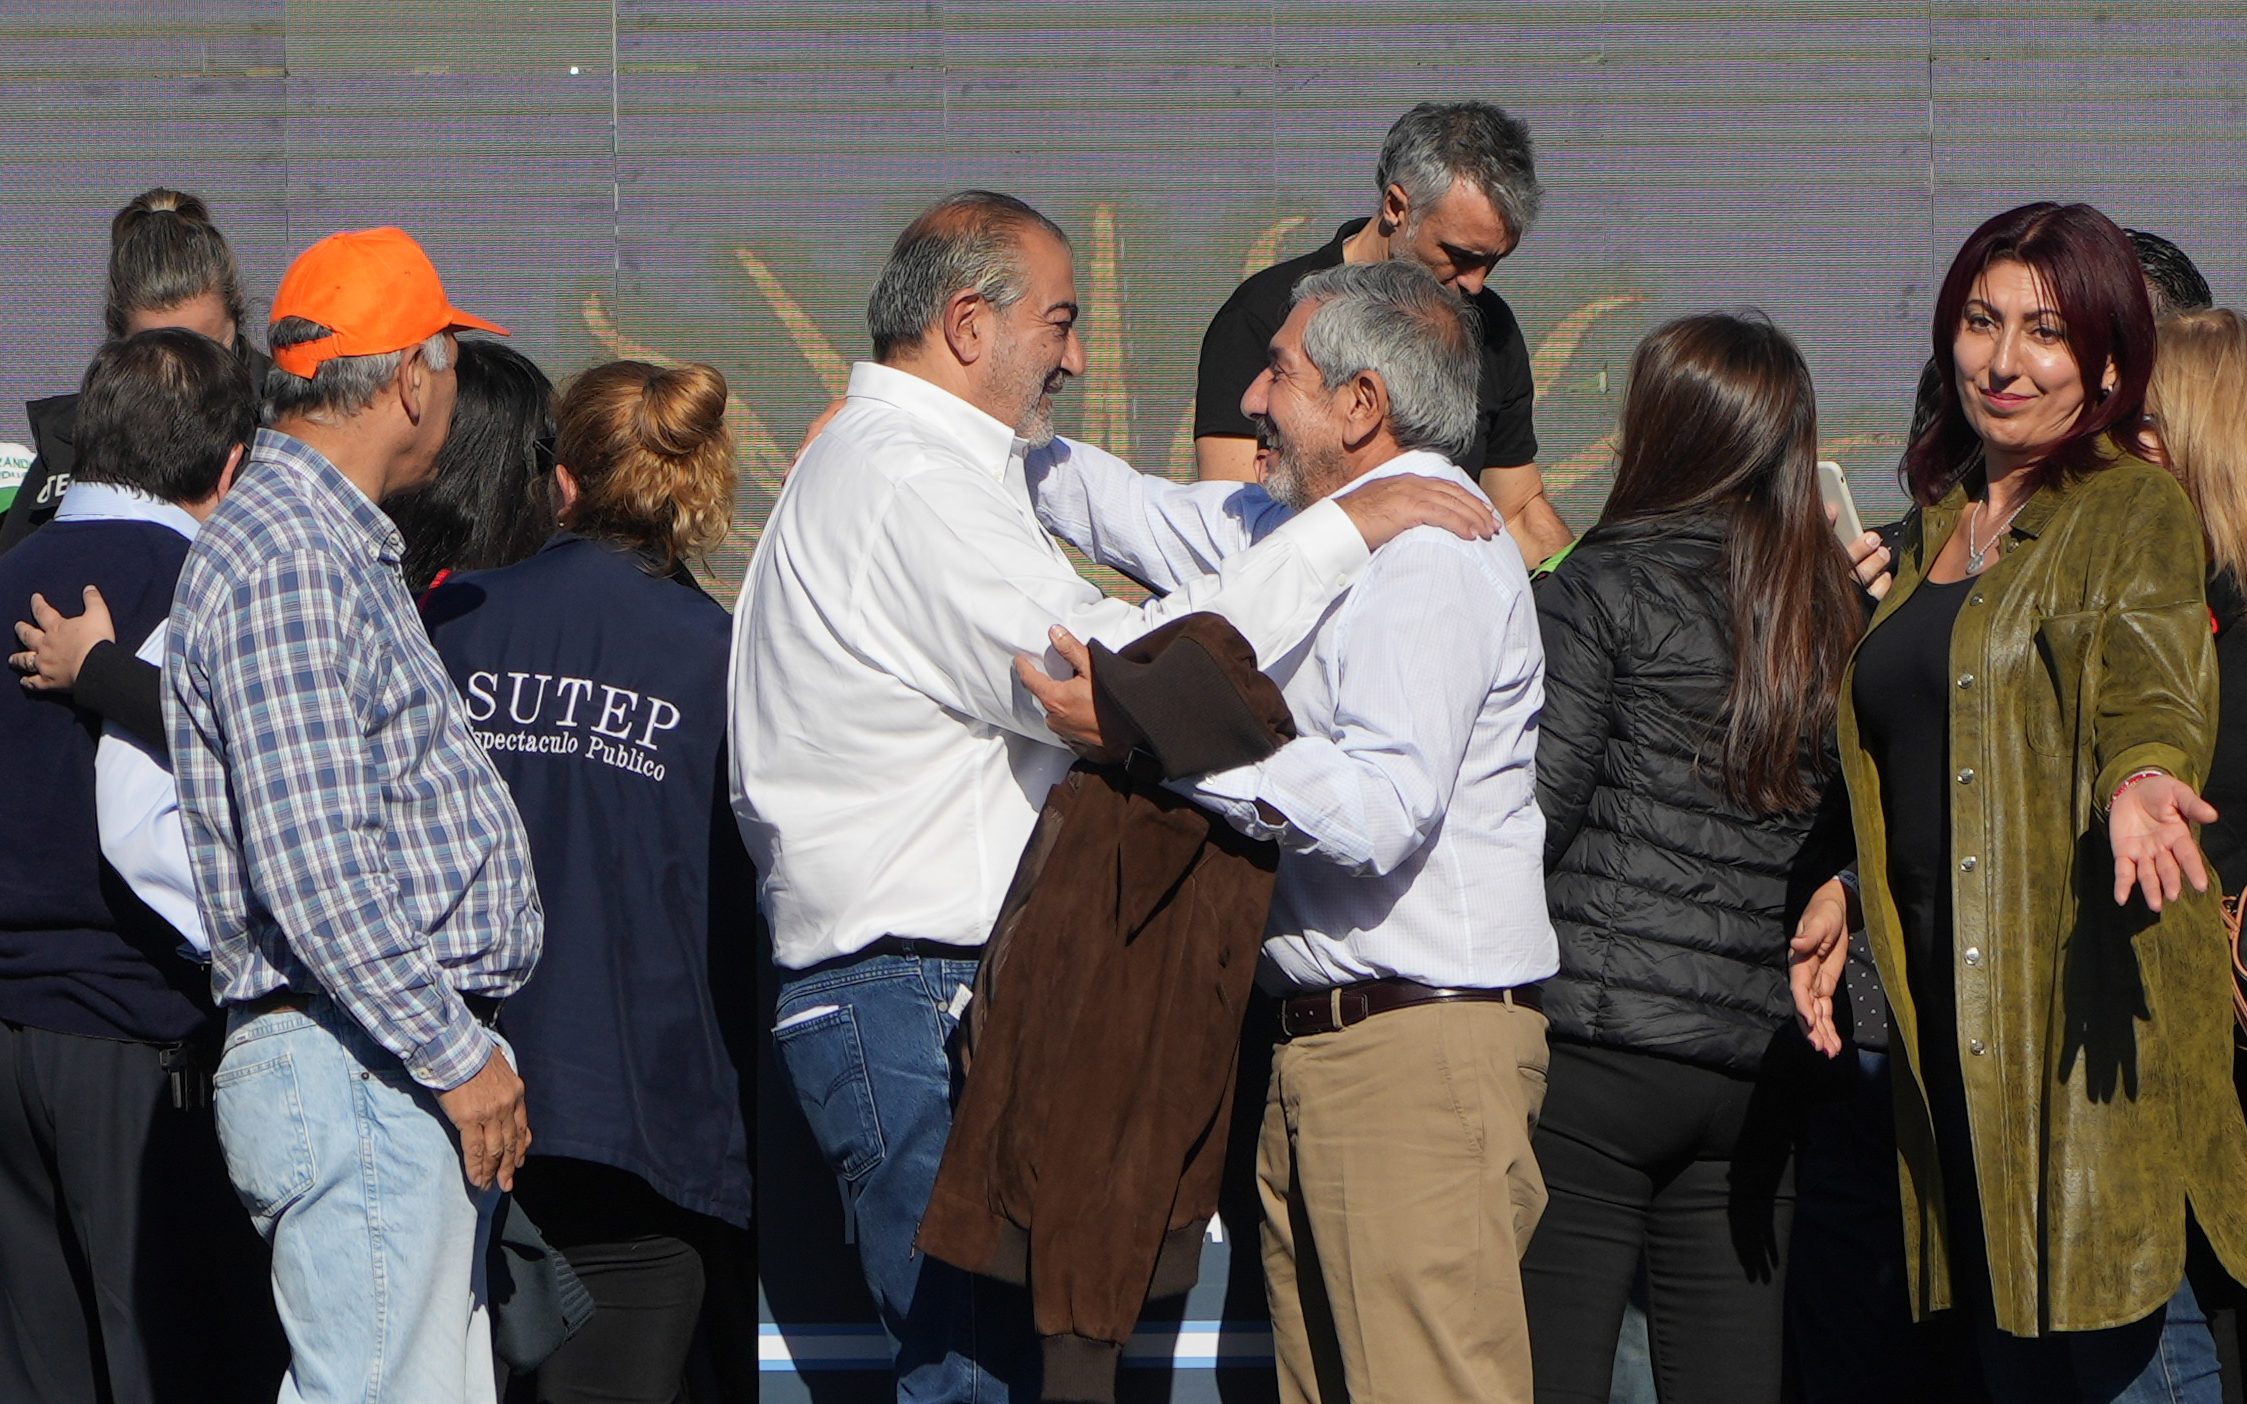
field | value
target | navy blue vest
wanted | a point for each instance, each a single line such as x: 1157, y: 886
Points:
x: 599, y: 692
x: 79, y: 953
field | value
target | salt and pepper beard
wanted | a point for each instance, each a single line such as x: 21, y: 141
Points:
x: 1294, y: 477
x: 1018, y: 379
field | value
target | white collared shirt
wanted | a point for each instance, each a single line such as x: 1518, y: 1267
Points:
x: 887, y: 764
x: 1413, y: 845
x: 136, y: 804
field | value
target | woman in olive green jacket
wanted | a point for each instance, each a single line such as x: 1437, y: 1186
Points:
x: 2021, y: 731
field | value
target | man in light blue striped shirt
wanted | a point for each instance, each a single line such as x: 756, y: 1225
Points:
x: 1408, y: 929
x: 360, y: 869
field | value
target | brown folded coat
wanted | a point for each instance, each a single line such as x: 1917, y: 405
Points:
x: 1105, y: 1028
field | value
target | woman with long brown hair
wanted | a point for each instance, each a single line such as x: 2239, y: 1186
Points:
x: 2022, y: 730
x: 1694, y: 645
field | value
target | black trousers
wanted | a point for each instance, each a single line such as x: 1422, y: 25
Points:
x: 1689, y: 1168
x: 641, y: 1258
x: 1849, y: 1321
x: 128, y: 1270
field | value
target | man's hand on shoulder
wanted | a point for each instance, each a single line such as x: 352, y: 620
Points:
x: 495, y: 1130
x: 1386, y: 508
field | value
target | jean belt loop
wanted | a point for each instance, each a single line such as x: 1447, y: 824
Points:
x: 1334, y: 1004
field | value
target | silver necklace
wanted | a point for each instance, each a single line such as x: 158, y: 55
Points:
x: 1978, y: 557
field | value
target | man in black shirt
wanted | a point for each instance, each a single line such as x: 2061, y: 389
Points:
x: 1458, y: 189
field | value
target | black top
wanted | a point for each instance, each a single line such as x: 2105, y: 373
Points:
x: 2225, y: 841
x: 79, y: 953
x: 598, y: 690
x: 54, y: 442
x: 1238, y: 343
x: 1903, y: 692
x: 1672, y: 904
x: 120, y: 687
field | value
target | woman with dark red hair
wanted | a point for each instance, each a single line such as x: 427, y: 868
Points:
x: 2022, y: 731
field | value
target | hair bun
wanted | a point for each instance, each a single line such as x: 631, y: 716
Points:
x: 150, y: 203
x: 682, y: 411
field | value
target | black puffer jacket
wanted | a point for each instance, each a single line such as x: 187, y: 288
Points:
x: 1673, y: 905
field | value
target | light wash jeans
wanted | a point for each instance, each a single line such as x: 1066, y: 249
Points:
x: 353, y: 1173
x: 867, y: 1047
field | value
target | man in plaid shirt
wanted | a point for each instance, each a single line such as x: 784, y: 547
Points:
x: 359, y: 866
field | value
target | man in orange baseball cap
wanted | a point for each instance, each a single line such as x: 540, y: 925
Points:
x: 374, y: 290
x: 359, y: 865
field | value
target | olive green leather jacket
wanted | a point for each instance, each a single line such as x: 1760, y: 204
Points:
x: 2095, y: 1040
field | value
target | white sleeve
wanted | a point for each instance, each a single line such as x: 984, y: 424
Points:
x: 958, y: 579
x: 1409, y: 685
x: 137, y: 808
x: 1158, y: 532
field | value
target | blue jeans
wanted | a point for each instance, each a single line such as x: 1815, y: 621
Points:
x: 867, y: 1048
x: 2168, y: 1358
x: 353, y: 1173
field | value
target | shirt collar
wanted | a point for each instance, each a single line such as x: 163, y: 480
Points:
x: 1425, y: 462
x: 109, y: 502
x: 326, y: 481
x: 988, y: 443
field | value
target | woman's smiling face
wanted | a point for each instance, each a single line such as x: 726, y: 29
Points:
x: 2016, y: 376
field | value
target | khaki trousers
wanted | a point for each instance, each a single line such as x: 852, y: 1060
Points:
x: 1399, y: 1192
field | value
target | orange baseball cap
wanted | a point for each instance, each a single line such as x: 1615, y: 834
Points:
x: 375, y: 289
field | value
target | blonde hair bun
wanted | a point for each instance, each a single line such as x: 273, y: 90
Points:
x: 649, y: 451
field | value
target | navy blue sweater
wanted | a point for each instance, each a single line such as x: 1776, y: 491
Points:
x: 78, y: 952
x: 599, y: 691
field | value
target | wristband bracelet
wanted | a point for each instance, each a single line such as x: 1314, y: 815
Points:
x: 2131, y: 779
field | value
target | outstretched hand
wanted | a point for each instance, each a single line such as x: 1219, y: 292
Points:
x: 55, y: 647
x: 2150, y: 828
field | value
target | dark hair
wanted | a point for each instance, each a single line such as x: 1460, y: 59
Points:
x: 2086, y: 265
x: 160, y: 411
x: 1720, y: 415
x: 2173, y: 279
x: 163, y: 251
x: 486, y: 502
x: 969, y: 240
x: 648, y: 449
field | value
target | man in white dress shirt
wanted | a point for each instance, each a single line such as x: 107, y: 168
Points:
x: 1408, y: 928
x: 889, y: 766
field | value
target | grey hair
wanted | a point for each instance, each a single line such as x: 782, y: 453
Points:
x: 1395, y: 320
x: 972, y: 240
x: 1439, y: 143
x: 343, y: 385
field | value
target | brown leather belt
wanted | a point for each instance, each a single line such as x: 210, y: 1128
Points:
x: 484, y: 1008
x: 1329, y: 1010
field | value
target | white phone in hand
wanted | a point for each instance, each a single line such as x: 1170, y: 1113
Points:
x: 1833, y: 489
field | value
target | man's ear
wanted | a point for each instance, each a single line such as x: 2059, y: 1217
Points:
x: 1365, y: 408
x: 1395, y: 206
x: 411, y: 384
x: 967, y: 322
x: 232, y: 469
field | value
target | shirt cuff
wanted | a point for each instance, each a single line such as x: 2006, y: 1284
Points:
x: 453, y: 1056
x: 1330, y: 542
x: 1231, y: 793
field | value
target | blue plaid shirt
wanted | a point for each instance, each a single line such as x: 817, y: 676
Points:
x: 347, y: 834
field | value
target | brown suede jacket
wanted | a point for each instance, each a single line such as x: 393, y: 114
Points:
x: 1106, y: 1021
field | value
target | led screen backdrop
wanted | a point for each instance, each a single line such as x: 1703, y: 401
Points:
x: 719, y: 182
